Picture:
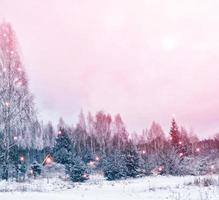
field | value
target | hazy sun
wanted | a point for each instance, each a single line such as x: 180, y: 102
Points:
x: 169, y: 43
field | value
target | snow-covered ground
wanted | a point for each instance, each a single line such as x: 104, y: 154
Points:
x: 152, y: 188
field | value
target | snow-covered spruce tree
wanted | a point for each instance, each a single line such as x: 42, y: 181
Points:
x: 76, y: 169
x: 170, y: 160
x: 114, y: 165
x: 147, y: 163
x: 16, y: 103
x: 132, y: 160
x: 63, y: 148
x: 64, y: 153
x: 36, y: 168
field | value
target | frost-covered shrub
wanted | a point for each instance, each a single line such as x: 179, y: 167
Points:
x: 205, y: 181
x: 54, y: 170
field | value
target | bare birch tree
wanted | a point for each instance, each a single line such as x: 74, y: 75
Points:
x: 16, y: 103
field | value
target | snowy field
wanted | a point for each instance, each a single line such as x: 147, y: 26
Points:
x: 152, y: 188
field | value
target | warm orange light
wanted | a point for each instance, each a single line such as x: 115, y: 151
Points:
x: 48, y: 160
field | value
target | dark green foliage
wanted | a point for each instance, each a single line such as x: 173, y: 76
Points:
x: 114, y: 166
x: 21, y: 170
x: 64, y: 154
x: 76, y: 169
x: 132, y: 160
x: 36, y: 169
x: 63, y: 148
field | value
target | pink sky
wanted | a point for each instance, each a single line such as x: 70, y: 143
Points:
x: 146, y: 59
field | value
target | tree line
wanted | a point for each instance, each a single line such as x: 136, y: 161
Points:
x: 97, y: 143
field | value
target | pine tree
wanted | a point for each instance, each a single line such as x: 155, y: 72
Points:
x: 132, y: 160
x: 114, y: 166
x: 36, y: 168
x: 174, y: 134
x: 63, y: 148
x: 16, y: 103
x: 76, y: 169
x: 170, y: 160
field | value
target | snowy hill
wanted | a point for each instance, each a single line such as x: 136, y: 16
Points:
x: 157, y: 187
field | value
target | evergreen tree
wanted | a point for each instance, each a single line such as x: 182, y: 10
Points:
x: 36, y: 169
x: 174, y: 134
x: 76, y: 169
x: 132, y: 160
x: 114, y: 166
x: 170, y: 160
x: 63, y: 148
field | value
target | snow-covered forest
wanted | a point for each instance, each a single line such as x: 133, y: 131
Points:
x: 98, y: 144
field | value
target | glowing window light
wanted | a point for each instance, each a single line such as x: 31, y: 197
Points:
x: 48, y: 160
